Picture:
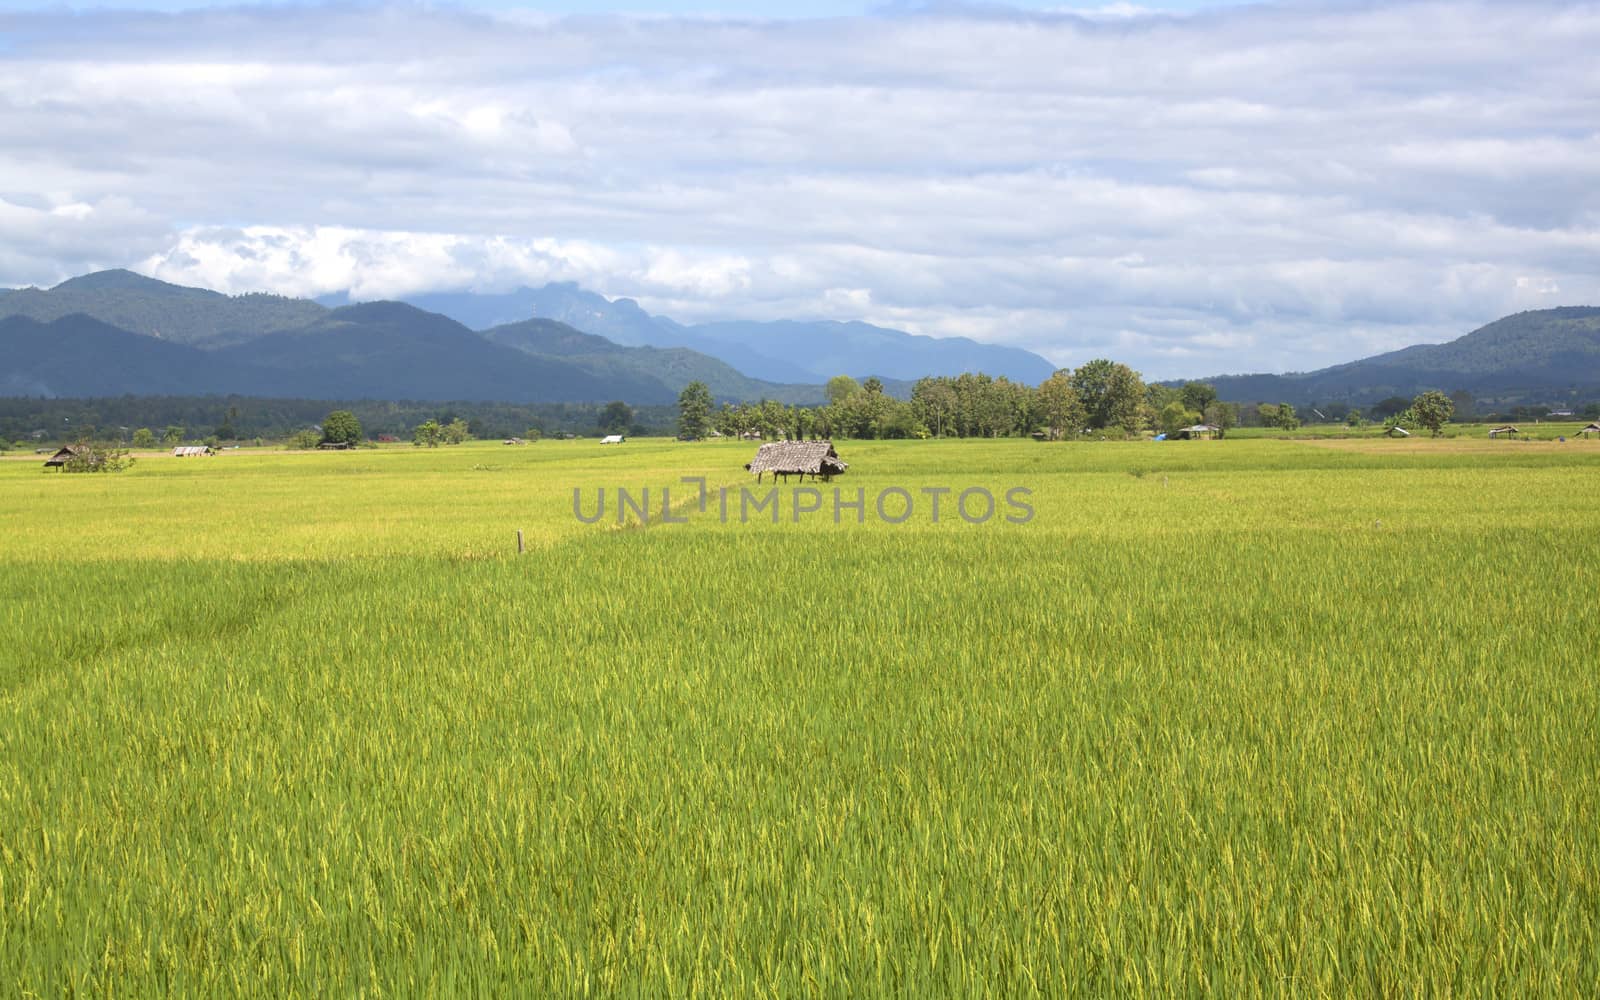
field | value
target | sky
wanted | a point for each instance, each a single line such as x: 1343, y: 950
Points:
x: 1193, y: 188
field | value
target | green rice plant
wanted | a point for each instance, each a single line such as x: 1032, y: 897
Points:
x: 1286, y: 718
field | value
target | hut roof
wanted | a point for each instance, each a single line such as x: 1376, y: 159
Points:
x: 1398, y: 431
x: 191, y: 451
x: 60, y: 457
x: 1504, y: 429
x: 815, y: 457
x: 1593, y: 428
x: 613, y: 439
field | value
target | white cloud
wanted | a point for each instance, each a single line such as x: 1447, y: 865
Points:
x: 1261, y: 187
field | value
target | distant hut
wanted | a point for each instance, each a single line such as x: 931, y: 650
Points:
x: 192, y: 451
x: 1591, y: 429
x: 335, y: 446
x: 62, y: 456
x: 1505, y: 430
x: 613, y: 439
x: 797, y: 458
x: 515, y: 441
x: 1398, y: 432
x: 1196, y: 432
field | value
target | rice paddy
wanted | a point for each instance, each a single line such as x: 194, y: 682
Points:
x: 1251, y: 717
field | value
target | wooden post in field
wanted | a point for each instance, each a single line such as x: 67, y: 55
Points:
x: 519, y: 541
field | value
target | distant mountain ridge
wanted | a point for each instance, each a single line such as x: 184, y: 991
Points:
x: 677, y: 366
x: 362, y: 353
x: 1538, y: 356
x: 782, y: 351
x: 116, y: 332
x: 272, y: 345
x: 173, y: 313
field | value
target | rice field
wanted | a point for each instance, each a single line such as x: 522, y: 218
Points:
x: 1240, y: 718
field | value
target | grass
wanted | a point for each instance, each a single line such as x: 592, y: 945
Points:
x: 1268, y: 717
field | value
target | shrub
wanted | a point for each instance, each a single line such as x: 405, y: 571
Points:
x: 98, y: 458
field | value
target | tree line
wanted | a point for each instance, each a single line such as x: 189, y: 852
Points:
x: 1100, y: 397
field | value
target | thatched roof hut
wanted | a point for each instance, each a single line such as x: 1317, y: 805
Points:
x: 797, y: 458
x: 1504, y: 429
x: 1591, y: 429
x: 1196, y: 432
x: 62, y: 456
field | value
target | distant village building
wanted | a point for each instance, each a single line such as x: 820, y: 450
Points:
x: 797, y: 458
x: 1560, y: 414
x: 1505, y: 430
x: 613, y: 439
x: 192, y: 451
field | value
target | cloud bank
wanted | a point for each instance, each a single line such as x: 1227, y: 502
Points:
x: 1257, y: 188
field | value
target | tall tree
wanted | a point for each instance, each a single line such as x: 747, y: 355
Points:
x: 1090, y: 381
x: 1112, y: 395
x: 1124, y: 393
x: 1174, y: 417
x: 1197, y: 396
x: 1059, y: 406
x: 616, y: 418
x: 1223, y: 416
x: 841, y: 388
x: 1433, y: 409
x: 694, y: 411
x: 428, y: 433
x: 341, y: 427
x: 935, y: 401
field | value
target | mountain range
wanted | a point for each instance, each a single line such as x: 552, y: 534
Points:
x: 784, y: 351
x: 64, y: 341
x: 116, y: 332
x: 1547, y: 355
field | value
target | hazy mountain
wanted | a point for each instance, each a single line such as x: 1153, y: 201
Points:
x: 390, y: 350
x: 674, y: 366
x: 376, y: 351
x: 137, y: 335
x: 641, y: 356
x: 80, y: 356
x: 820, y: 350
x: 169, y: 312
x: 780, y: 351
x: 1529, y: 357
